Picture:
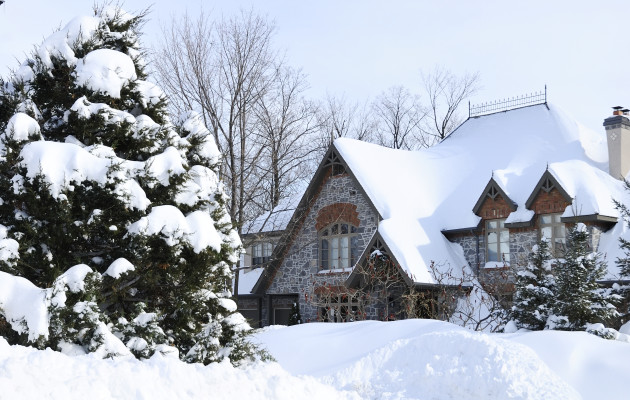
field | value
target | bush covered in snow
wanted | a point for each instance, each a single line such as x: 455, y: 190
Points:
x: 114, y: 235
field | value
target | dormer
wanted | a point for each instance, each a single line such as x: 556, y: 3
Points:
x: 548, y: 196
x: 494, y: 203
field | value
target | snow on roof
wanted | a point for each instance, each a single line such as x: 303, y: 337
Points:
x: 274, y: 220
x: 421, y: 193
x: 248, y: 279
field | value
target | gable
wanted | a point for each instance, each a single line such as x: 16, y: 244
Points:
x: 493, y: 202
x: 318, y: 208
x: 548, y: 196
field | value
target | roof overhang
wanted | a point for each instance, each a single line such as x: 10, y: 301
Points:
x: 590, y: 218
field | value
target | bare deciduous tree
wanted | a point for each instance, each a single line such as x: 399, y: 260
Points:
x: 286, y: 124
x: 399, y: 117
x: 222, y: 70
x: 445, y: 94
x: 338, y: 118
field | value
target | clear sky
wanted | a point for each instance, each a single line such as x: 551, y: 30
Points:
x: 361, y: 47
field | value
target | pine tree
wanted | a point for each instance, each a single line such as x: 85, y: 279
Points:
x: 579, y: 298
x: 94, y: 173
x: 535, y: 286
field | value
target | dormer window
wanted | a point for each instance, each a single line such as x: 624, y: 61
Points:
x: 497, y: 241
x: 553, y: 229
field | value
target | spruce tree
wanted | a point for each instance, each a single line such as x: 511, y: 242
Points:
x: 579, y: 299
x: 94, y: 173
x: 535, y: 286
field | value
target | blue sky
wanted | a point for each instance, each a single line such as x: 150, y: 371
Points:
x: 360, y: 48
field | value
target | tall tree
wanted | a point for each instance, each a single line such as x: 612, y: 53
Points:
x: 286, y: 126
x: 117, y: 214
x: 445, y: 93
x: 222, y: 70
x: 399, y: 116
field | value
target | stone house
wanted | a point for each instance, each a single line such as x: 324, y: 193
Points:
x: 468, y: 209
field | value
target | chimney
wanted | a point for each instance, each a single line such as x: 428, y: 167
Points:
x: 618, y: 135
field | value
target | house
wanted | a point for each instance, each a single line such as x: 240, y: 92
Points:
x: 464, y: 211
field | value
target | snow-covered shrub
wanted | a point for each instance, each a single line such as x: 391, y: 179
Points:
x: 93, y: 173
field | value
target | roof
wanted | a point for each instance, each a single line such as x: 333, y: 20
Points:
x: 274, y: 220
x: 421, y: 193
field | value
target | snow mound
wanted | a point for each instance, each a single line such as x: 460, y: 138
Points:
x: 105, y: 71
x: 197, y: 227
x: 29, y: 373
x: 453, y: 365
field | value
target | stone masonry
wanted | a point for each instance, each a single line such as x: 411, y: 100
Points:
x: 339, y: 199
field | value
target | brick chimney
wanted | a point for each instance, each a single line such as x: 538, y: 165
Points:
x: 618, y: 136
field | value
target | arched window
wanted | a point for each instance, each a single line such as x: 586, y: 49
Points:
x: 338, y: 246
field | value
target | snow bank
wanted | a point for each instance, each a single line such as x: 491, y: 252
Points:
x: 410, y: 359
x: 29, y: 373
x: 24, y: 306
x: 427, y: 359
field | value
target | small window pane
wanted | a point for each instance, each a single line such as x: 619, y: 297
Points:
x: 546, y: 232
x: 492, y: 237
x: 344, y: 229
x: 505, y: 252
x: 504, y: 236
x: 353, y: 229
x: 267, y: 249
x: 354, y: 249
x: 334, y: 253
x: 492, y: 252
x: 325, y: 232
x: 492, y: 224
x: 546, y: 219
x: 334, y: 230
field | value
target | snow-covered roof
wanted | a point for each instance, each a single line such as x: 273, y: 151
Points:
x: 421, y: 193
x: 248, y: 279
x: 274, y: 220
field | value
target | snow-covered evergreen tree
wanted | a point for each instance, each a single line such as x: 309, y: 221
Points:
x: 94, y: 173
x: 624, y: 262
x: 579, y: 299
x: 534, y: 289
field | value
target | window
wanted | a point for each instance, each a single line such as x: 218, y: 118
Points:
x: 338, y: 246
x: 553, y: 229
x: 340, y: 308
x: 497, y: 241
x: 261, y: 253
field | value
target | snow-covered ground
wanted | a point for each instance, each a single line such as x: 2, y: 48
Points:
x: 412, y: 359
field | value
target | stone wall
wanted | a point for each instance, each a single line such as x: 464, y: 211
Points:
x: 300, y: 273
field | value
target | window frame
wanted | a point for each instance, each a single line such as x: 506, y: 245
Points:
x: 331, y: 242
x: 498, y: 230
x: 556, y: 222
x: 261, y: 253
x: 341, y: 307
